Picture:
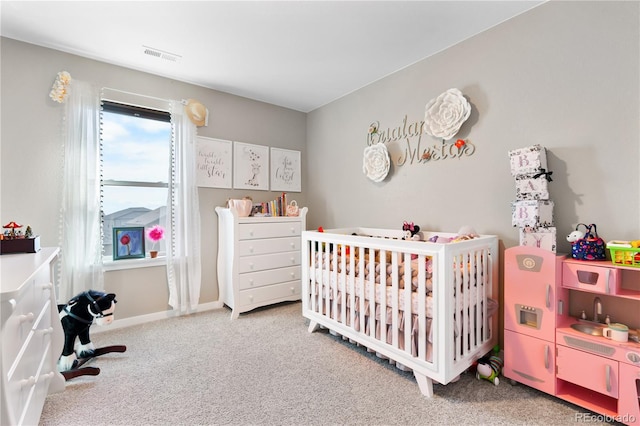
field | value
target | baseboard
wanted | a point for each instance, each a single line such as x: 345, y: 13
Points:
x: 142, y: 319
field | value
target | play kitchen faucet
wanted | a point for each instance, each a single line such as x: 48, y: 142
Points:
x: 597, y: 309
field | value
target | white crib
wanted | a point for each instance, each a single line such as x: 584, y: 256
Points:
x: 450, y: 307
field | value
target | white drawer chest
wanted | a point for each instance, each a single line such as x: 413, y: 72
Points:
x: 32, y: 335
x: 258, y: 259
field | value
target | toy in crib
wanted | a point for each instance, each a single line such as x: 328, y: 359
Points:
x: 489, y: 367
x: 411, y: 231
x: 464, y: 233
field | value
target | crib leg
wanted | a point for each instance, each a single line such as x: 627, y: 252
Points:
x: 313, y: 326
x: 424, y: 383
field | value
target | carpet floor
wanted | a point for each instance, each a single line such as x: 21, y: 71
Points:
x: 265, y: 368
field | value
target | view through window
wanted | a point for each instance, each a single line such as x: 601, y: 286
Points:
x: 136, y: 162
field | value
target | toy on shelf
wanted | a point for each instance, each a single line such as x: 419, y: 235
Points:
x: 13, y: 240
x: 490, y: 367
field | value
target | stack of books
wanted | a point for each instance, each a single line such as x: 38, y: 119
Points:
x: 277, y: 207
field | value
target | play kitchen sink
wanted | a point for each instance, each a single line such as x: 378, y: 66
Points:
x: 593, y: 330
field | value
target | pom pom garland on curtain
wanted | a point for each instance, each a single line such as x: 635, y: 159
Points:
x: 183, y: 252
x: 80, y: 267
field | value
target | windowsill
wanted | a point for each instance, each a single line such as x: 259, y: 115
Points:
x: 108, y: 264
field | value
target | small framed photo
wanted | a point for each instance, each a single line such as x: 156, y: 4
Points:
x: 128, y: 242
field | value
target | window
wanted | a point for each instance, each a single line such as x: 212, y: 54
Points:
x: 136, y: 162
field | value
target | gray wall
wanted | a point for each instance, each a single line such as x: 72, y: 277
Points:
x: 31, y: 161
x: 564, y: 75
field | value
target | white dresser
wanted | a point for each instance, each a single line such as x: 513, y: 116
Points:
x: 258, y: 259
x: 32, y: 335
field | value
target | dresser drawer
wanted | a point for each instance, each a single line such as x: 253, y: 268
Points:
x: 251, y: 231
x: 268, y: 261
x: 268, y: 277
x: 283, y: 291
x: 597, y: 279
x: 274, y: 245
x: 29, y: 314
x: 27, y: 386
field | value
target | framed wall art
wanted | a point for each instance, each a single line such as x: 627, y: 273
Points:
x: 285, y: 170
x: 214, y: 162
x: 128, y: 242
x: 250, y: 166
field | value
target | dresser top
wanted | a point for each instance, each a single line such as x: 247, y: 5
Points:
x: 261, y: 219
x: 16, y: 269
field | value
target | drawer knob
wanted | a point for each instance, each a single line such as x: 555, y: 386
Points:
x: 250, y: 249
x: 293, y: 274
x: 251, y: 266
x: 293, y: 260
x: 47, y: 376
x: 26, y: 318
x: 47, y: 286
x: 293, y: 231
x: 28, y: 382
x: 45, y: 331
x: 251, y: 284
x: 251, y: 233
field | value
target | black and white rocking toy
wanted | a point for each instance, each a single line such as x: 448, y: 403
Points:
x: 77, y: 316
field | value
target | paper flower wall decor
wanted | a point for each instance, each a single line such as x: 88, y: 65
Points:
x: 376, y: 163
x: 445, y: 114
x: 60, y: 88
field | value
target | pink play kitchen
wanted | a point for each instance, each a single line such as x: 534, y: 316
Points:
x: 571, y: 330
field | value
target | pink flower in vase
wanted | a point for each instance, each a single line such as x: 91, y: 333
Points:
x: 155, y: 234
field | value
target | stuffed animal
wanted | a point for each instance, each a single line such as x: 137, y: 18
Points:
x: 489, y: 368
x: 465, y: 233
x: 76, y: 317
x: 575, y: 236
x: 440, y: 240
x: 411, y: 231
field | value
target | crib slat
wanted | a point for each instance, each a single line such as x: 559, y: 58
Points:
x: 342, y: 284
x: 372, y: 294
x: 422, y: 309
x: 361, y: 276
x: 407, y: 302
x: 352, y: 283
x: 394, y: 300
x: 382, y: 322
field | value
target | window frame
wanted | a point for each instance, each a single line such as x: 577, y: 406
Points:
x: 132, y: 109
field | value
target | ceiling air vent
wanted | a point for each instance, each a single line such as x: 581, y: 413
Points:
x: 171, y: 57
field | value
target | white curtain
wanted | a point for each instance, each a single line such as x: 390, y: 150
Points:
x: 183, y: 250
x: 80, y: 217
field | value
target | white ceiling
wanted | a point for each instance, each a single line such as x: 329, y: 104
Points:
x: 296, y: 54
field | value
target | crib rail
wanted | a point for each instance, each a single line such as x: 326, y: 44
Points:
x: 423, y: 305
